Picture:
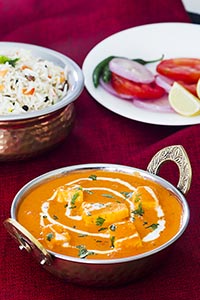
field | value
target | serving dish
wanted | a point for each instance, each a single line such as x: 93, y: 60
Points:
x: 168, y: 39
x: 105, y: 272
x: 31, y: 133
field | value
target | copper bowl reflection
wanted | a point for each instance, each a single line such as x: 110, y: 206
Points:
x: 29, y: 134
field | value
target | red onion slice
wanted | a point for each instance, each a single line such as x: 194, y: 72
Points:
x: 164, y: 82
x: 157, y: 105
x: 131, y: 70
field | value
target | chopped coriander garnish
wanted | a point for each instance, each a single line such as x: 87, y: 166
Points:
x: 139, y: 211
x: 79, y: 188
x: 102, y: 228
x: 127, y: 195
x: 74, y: 197
x: 153, y: 226
x: 112, y: 239
x: 5, y: 59
x: 93, y: 177
x: 72, y: 207
x: 83, y: 252
x: 55, y: 217
x: 100, y: 221
x: 49, y: 236
x: 89, y: 192
x: 82, y: 235
x: 107, y: 195
x: 137, y: 198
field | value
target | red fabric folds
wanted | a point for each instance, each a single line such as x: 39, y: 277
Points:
x: 99, y: 135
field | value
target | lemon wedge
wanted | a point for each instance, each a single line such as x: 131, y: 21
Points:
x: 198, y: 88
x: 182, y: 101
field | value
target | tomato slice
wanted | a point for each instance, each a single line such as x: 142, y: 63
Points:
x: 137, y: 90
x: 184, y: 69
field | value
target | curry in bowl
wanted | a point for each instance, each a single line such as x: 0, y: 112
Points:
x: 101, y: 214
x: 102, y: 224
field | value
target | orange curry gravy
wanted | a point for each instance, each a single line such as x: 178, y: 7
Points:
x: 101, y: 214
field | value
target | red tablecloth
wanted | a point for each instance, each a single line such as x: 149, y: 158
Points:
x: 99, y: 135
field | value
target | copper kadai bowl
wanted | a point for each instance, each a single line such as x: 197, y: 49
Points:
x: 107, y: 272
x: 26, y: 135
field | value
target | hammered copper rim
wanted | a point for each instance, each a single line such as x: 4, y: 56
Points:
x: 28, y: 138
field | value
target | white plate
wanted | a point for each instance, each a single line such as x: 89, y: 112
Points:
x: 146, y: 42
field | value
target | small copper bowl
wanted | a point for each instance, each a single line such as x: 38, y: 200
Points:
x: 106, y: 272
x: 26, y: 135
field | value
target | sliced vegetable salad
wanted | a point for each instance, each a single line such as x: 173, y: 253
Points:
x: 131, y: 79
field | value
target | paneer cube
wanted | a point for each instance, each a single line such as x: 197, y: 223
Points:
x: 147, y: 210
x: 71, y: 195
x: 145, y: 196
x: 103, y: 214
x: 55, y: 235
x: 125, y: 235
x: 62, y: 194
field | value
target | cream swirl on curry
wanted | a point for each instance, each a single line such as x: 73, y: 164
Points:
x: 101, y: 214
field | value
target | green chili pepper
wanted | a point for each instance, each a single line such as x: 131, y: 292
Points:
x: 144, y: 62
x: 102, y: 69
x: 99, y: 69
x: 106, y: 73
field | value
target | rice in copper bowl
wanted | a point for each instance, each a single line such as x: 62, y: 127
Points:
x: 38, y: 87
x: 29, y: 83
